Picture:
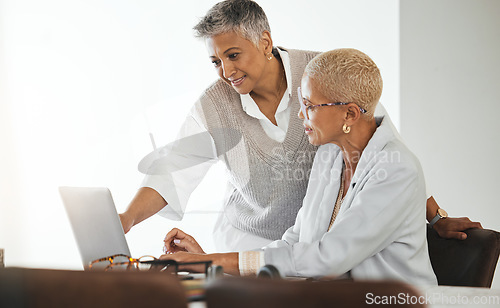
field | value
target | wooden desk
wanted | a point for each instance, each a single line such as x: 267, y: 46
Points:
x: 438, y: 297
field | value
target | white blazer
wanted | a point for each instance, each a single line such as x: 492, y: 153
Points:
x: 380, y: 230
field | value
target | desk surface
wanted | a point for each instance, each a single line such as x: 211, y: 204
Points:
x: 444, y: 297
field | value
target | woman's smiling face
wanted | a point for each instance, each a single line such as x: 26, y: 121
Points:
x: 237, y: 60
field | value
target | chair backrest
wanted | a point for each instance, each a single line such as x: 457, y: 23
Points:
x: 247, y: 292
x: 470, y: 262
x: 22, y: 287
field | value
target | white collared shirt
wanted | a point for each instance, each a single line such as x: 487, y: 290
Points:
x: 275, y: 132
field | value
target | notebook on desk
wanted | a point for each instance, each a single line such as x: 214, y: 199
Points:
x: 96, y: 226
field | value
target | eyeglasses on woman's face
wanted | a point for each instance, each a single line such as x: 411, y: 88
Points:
x: 306, y: 105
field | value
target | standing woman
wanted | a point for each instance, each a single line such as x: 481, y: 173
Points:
x: 246, y: 119
x: 252, y: 108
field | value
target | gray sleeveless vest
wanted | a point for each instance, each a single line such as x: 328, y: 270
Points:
x: 268, y: 178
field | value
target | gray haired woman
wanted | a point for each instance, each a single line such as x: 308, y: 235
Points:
x: 246, y: 119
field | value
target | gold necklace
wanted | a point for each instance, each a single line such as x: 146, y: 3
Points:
x: 338, y: 202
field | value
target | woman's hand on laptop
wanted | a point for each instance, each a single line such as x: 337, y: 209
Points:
x: 176, y: 240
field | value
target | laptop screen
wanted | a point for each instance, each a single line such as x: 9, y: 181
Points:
x: 95, y: 223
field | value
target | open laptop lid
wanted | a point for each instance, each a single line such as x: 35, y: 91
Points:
x: 96, y: 226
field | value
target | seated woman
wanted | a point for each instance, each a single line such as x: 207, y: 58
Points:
x: 364, y: 211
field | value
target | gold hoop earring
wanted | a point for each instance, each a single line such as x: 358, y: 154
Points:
x: 346, y: 129
x: 269, y: 56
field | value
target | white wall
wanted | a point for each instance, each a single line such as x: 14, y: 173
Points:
x: 450, y: 102
x: 76, y: 78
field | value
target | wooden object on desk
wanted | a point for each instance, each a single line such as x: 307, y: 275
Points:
x: 470, y: 262
x: 243, y: 292
x: 22, y: 287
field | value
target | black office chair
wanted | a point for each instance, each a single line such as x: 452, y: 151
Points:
x: 470, y: 262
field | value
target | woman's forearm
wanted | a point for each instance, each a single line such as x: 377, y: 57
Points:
x: 432, y: 208
x: 145, y: 204
x: 229, y: 261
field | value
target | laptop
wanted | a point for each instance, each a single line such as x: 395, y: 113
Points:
x: 96, y: 225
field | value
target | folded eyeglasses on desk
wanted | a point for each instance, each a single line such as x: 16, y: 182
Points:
x: 194, y: 283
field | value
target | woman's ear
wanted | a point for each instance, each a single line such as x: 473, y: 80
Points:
x: 353, y: 114
x: 266, y: 42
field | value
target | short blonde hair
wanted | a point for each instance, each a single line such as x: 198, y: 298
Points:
x: 347, y: 75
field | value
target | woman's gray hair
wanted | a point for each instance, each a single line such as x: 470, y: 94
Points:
x: 347, y: 75
x: 245, y: 17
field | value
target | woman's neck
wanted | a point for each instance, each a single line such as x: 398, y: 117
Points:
x: 268, y: 92
x: 272, y: 78
x: 353, y: 145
